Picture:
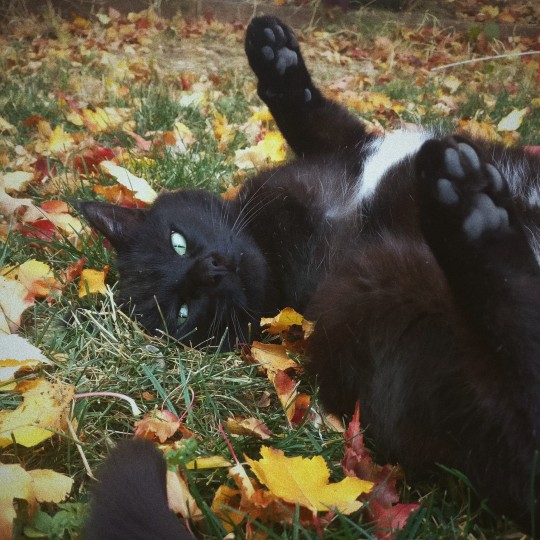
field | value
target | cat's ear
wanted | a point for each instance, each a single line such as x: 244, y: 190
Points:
x: 114, y: 222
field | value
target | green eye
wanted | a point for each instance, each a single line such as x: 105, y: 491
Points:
x: 182, y: 314
x: 178, y: 243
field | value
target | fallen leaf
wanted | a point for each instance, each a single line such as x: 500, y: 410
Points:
x: 293, y: 328
x: 17, y: 355
x: 17, y: 180
x: 384, y: 507
x: 92, y: 281
x: 180, y: 499
x: 248, y: 426
x: 139, y: 186
x: 38, y: 485
x: 270, y: 149
x: 22, y: 209
x: 44, y: 409
x: 512, y: 121
x: 270, y: 357
x: 294, y: 404
x: 36, y: 276
x: 157, y: 425
x: 14, y: 301
x: 208, y: 462
x: 282, y: 321
x: 390, y: 519
x: 59, y: 141
x: 306, y: 481
x: 50, y: 486
x: 226, y: 506
x: 16, y: 484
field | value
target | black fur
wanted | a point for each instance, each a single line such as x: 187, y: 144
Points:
x: 130, y: 501
x: 425, y: 294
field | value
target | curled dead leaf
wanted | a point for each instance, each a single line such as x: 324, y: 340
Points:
x: 157, y: 425
x: 248, y: 426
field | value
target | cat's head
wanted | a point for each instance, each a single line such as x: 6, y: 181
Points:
x: 184, y: 265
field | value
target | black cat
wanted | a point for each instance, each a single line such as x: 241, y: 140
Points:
x: 415, y: 253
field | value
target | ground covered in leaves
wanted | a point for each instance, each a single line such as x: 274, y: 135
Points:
x: 118, y: 108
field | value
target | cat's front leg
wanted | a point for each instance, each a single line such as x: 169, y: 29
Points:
x: 311, y: 123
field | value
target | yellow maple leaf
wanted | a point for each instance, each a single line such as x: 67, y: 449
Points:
x: 43, y: 410
x: 59, y: 141
x: 273, y: 146
x: 306, y: 481
x: 16, y: 484
x: 92, y: 282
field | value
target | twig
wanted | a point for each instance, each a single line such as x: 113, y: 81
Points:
x: 81, y: 451
x: 483, y: 58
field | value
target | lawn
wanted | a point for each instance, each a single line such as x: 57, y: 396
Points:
x: 174, y: 103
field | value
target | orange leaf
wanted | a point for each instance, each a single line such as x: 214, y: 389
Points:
x: 294, y: 404
x: 158, y: 425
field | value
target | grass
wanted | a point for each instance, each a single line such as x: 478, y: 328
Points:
x: 96, y: 347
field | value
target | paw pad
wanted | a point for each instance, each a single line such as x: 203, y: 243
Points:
x: 470, y: 194
x: 484, y: 216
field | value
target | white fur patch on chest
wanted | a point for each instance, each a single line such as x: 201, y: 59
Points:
x: 383, y: 154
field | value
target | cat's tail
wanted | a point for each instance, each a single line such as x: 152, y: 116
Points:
x: 130, y: 501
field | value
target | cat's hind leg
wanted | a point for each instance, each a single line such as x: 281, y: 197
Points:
x: 473, y: 228
x: 311, y: 123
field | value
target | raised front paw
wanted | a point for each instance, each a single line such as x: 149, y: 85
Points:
x: 274, y: 56
x: 462, y: 193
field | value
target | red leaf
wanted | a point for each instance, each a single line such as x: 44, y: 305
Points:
x: 89, y: 160
x: 41, y: 168
x: 357, y: 461
x: 42, y: 229
x: 390, y: 519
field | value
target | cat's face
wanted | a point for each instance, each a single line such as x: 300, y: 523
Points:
x: 185, y: 267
